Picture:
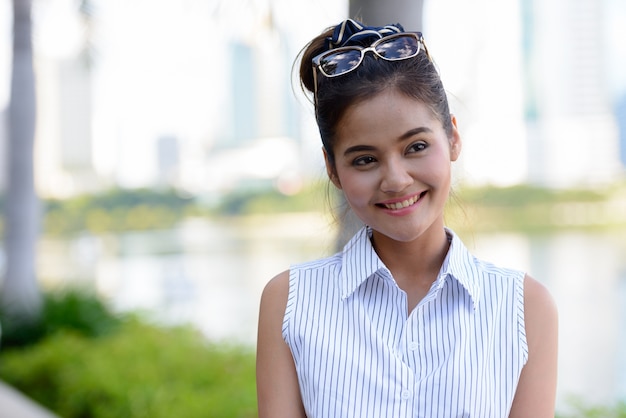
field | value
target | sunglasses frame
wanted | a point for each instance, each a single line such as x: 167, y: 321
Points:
x: 363, y: 50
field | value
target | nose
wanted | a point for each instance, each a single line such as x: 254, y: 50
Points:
x: 396, y: 178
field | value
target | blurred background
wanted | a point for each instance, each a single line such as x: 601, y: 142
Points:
x: 178, y: 166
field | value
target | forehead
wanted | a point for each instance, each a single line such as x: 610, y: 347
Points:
x: 387, y: 115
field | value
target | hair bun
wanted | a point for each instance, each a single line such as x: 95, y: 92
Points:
x: 310, y: 51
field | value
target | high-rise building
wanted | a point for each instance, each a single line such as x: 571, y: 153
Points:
x: 244, y: 118
x: 572, y: 132
x: 260, y: 94
x: 620, y: 113
x: 63, y: 155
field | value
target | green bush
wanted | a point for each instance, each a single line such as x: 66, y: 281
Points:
x: 73, y: 309
x: 138, y: 371
x: 81, y: 360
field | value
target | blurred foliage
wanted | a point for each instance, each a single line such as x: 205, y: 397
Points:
x: 134, y: 369
x: 76, y: 310
x: 536, y: 209
x: 117, y: 210
x: 144, y: 209
x: 522, y: 207
x: 580, y: 409
x: 312, y: 198
x: 524, y: 195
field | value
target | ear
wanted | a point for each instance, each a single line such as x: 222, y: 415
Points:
x: 330, y: 170
x: 455, y: 140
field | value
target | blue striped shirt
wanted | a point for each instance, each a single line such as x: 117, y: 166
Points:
x: 359, y: 353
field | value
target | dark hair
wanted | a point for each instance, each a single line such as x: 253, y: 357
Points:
x: 417, y: 78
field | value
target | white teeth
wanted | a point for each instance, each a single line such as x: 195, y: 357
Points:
x: 403, y: 204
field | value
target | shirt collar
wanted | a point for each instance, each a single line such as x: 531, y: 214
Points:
x: 462, y: 266
x: 360, y: 261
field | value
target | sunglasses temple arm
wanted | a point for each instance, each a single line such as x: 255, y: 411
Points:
x: 315, y: 88
x: 423, y: 44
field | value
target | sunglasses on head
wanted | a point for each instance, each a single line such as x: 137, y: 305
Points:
x: 396, y: 47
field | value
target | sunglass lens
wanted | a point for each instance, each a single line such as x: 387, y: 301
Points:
x: 398, y: 48
x: 340, y: 62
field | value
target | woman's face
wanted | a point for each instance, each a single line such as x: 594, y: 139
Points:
x: 393, y: 163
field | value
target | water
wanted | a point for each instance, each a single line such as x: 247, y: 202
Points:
x: 586, y: 274
x: 212, y: 274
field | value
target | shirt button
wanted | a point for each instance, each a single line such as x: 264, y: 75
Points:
x: 406, y: 394
x: 414, y: 345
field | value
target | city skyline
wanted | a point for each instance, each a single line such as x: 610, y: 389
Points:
x: 210, y: 87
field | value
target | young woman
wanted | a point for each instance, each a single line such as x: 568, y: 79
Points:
x: 404, y: 322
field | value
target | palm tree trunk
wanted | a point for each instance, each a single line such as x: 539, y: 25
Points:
x: 379, y: 13
x: 20, y: 295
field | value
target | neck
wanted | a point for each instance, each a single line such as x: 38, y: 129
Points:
x: 417, y: 261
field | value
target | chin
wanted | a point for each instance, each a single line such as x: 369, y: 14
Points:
x: 407, y: 233
x: 399, y: 236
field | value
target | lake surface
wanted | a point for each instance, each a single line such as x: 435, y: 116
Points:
x: 212, y: 273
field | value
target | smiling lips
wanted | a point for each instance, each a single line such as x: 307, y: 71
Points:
x: 404, y: 203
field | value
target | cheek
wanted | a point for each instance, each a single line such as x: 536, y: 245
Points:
x: 356, y: 188
x: 439, y: 167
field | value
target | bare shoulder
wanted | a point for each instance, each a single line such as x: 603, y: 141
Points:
x: 276, y: 292
x: 540, y: 315
x: 277, y: 382
x: 538, y: 303
x: 536, y: 391
x: 273, y: 305
x: 535, y: 291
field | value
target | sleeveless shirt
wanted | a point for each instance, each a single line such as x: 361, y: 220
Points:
x: 359, y: 353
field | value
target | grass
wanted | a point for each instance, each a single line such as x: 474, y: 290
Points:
x: 70, y: 310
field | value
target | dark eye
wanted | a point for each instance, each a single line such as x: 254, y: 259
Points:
x: 362, y: 161
x: 417, y: 147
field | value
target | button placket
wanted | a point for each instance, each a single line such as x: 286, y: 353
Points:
x: 406, y: 394
x: 413, y: 342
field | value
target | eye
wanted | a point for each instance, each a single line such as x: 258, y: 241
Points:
x: 363, y: 161
x: 417, y: 147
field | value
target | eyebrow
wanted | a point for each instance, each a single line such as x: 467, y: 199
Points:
x: 404, y: 136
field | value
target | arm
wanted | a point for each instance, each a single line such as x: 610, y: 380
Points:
x: 277, y: 383
x: 536, y: 391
